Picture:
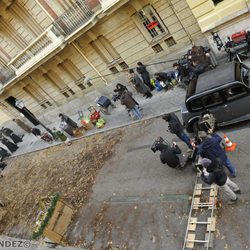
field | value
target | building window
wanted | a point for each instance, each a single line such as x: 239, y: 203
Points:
x: 81, y: 86
x: 71, y: 92
x: 114, y: 70
x: 123, y: 65
x: 170, y: 41
x: 48, y: 103
x: 66, y: 94
x: 157, y: 48
x: 43, y: 106
x: 217, y: 1
x: 149, y: 23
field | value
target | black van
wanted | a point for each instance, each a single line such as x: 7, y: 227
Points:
x: 224, y: 91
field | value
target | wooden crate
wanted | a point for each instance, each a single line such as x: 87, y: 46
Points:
x: 59, y: 222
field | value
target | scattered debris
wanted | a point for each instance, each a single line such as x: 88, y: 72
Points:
x: 71, y: 171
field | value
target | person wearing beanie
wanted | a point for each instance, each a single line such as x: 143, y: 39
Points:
x: 175, y: 127
x: 210, y: 148
x: 213, y: 172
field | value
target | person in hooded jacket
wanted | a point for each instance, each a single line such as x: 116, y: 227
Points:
x: 68, y: 120
x: 175, y: 127
x: 210, y: 148
x: 128, y: 101
x: 140, y: 87
x: 169, y: 155
x: 141, y: 69
x: 213, y: 172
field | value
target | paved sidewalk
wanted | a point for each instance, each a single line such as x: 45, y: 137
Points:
x: 161, y: 103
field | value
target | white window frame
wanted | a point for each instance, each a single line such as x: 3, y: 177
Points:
x: 156, y: 33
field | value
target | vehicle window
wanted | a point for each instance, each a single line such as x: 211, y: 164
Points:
x: 235, y: 92
x: 245, y: 75
x: 212, y: 99
x: 195, y: 105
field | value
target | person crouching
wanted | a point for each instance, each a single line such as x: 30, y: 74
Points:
x: 213, y: 172
x: 170, y: 155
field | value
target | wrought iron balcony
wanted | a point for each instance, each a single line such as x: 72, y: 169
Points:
x: 40, y: 48
x: 73, y: 18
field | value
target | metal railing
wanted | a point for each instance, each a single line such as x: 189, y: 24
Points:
x: 6, y: 74
x: 70, y: 21
x: 36, y: 51
x: 73, y: 18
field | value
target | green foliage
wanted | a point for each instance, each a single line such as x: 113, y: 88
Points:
x: 38, y: 232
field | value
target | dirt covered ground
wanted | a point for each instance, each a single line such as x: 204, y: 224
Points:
x: 71, y: 171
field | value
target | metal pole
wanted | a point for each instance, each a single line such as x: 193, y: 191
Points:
x: 87, y: 60
x: 46, y: 128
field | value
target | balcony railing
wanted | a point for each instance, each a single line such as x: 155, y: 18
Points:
x: 73, y: 18
x: 6, y: 74
x: 36, y: 51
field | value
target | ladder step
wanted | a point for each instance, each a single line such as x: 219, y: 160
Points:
x: 211, y: 224
x: 205, y: 188
x: 198, y: 241
x: 200, y: 222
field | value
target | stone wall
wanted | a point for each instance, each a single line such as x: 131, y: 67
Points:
x: 121, y: 32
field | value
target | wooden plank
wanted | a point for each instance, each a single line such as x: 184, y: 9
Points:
x: 197, y: 192
x: 59, y: 222
x: 190, y: 245
x: 211, y: 200
x: 192, y: 225
x: 211, y: 227
x: 52, y: 235
x: 214, y: 192
x: 64, y: 221
x: 196, y: 200
x: 53, y: 220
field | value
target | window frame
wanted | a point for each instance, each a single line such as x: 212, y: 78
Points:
x: 216, y: 2
x: 214, y: 104
x: 142, y: 28
x: 238, y: 96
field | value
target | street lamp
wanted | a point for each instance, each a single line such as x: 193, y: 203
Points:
x: 20, y: 104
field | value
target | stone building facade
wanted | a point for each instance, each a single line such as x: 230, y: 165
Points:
x: 53, y: 52
x: 223, y: 16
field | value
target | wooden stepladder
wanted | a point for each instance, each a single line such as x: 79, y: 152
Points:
x: 201, y: 221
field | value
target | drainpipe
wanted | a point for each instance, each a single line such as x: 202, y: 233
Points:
x: 78, y: 49
x: 175, y: 12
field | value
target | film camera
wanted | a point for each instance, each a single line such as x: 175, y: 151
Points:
x: 116, y: 97
x: 158, y: 142
x: 207, y: 121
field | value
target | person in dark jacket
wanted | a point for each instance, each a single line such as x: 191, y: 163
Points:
x: 8, y: 132
x: 213, y: 172
x: 3, y: 153
x: 128, y: 101
x: 210, y: 148
x: 11, y: 146
x: 166, y: 78
x: 69, y: 121
x: 140, y: 87
x: 169, y: 155
x: 141, y: 69
x: 36, y: 131
x: 175, y: 127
